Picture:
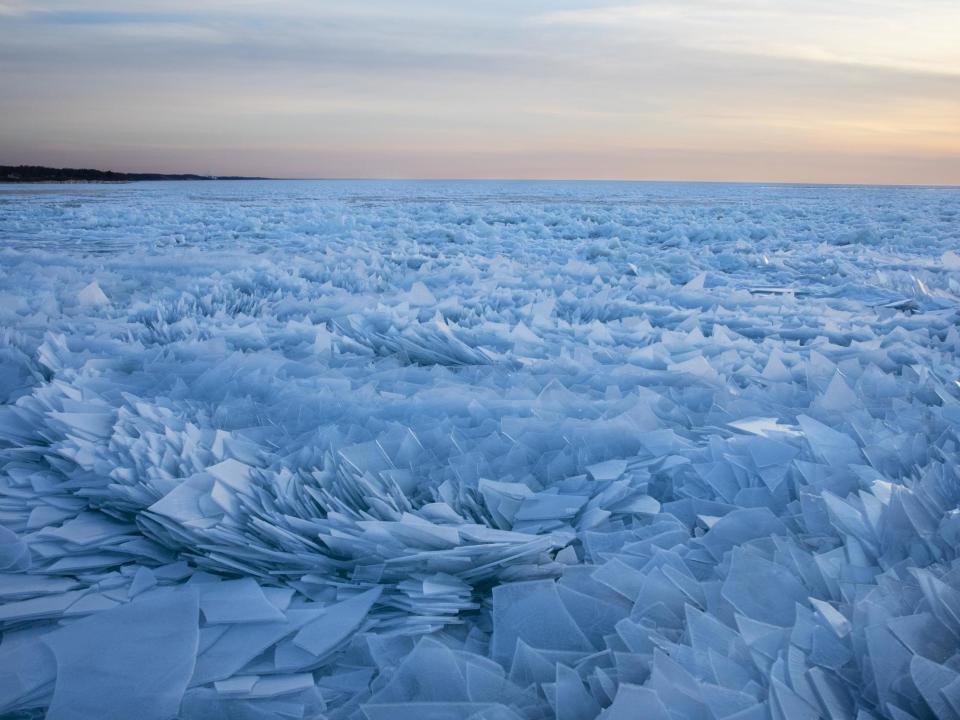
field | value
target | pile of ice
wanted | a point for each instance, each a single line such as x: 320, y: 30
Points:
x: 475, y: 451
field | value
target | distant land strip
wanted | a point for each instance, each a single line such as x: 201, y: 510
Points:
x: 38, y: 174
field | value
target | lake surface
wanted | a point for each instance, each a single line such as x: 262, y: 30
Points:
x: 500, y: 447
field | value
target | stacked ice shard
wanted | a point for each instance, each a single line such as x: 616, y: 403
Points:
x: 394, y: 451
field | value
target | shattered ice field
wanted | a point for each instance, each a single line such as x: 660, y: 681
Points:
x: 396, y: 451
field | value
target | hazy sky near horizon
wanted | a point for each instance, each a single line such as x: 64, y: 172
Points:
x: 768, y: 90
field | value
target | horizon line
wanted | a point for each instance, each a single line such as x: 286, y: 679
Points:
x: 607, y: 180
x: 238, y: 178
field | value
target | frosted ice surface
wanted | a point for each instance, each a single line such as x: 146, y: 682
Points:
x: 479, y: 450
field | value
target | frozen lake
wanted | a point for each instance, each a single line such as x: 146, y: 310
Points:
x: 488, y: 450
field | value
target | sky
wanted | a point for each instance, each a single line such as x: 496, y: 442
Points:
x: 740, y: 90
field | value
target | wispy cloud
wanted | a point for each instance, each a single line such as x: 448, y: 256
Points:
x: 919, y: 36
x: 110, y: 17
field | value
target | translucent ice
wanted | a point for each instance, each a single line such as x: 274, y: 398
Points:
x: 92, y: 294
x: 490, y: 451
x: 133, y: 660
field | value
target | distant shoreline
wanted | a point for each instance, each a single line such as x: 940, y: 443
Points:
x: 40, y: 174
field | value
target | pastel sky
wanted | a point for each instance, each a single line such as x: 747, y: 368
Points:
x: 766, y: 90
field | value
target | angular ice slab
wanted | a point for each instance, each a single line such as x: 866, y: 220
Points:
x: 92, y: 294
x: 129, y: 661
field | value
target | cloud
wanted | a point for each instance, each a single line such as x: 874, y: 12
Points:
x: 495, y: 80
x: 110, y: 17
x: 919, y: 36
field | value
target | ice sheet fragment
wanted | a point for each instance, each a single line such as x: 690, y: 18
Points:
x: 133, y: 660
x: 92, y: 295
x: 336, y: 623
x: 236, y: 601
